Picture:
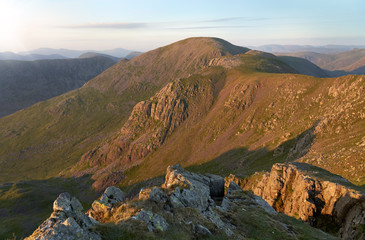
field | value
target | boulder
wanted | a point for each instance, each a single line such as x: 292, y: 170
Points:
x: 154, y: 194
x: 201, y: 230
x: 229, y: 179
x: 67, y: 222
x: 196, y: 189
x: 157, y: 195
x: 111, y: 197
x: 154, y: 221
x: 216, y: 185
x: 62, y: 203
x: 291, y: 189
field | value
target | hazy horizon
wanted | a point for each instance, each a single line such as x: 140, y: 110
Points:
x: 144, y: 25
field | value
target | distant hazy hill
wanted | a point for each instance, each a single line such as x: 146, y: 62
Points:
x: 349, y: 62
x: 132, y: 55
x: 94, y: 54
x: 24, y: 83
x: 29, y: 57
x: 275, y: 48
x: 304, y: 66
x: 117, y: 52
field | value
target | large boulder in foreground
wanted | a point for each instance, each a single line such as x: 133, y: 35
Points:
x: 67, y: 222
x: 111, y: 197
x: 188, y: 204
x: 195, y: 190
x: 295, y: 190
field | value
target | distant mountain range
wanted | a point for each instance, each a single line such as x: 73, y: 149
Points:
x: 274, y: 48
x: 29, y: 57
x: 50, y: 53
x: 337, y: 64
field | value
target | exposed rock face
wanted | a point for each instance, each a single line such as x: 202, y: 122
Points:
x: 153, y: 220
x: 231, y: 178
x: 67, y: 222
x: 184, y: 202
x: 289, y: 189
x: 194, y: 190
x: 149, y: 125
x: 154, y: 194
x: 110, y: 198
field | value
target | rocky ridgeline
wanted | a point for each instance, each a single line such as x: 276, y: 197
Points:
x: 147, y: 128
x: 289, y: 188
x: 193, y: 203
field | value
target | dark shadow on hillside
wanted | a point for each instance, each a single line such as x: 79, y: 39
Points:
x: 26, y: 204
x: 340, y: 73
x: 242, y: 161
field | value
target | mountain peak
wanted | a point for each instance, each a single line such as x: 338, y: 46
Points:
x: 212, y: 43
x: 159, y: 66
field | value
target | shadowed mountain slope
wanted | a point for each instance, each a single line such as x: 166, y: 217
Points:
x: 349, y: 62
x: 26, y: 83
x: 304, y: 66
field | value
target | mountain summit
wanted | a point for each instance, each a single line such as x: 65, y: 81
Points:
x: 202, y: 102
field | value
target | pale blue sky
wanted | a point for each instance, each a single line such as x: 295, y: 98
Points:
x: 147, y: 24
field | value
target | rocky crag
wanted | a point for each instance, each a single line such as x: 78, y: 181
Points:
x: 250, y: 120
x: 305, y: 192
x: 187, y: 206
x: 66, y: 222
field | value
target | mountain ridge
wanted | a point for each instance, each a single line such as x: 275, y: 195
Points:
x: 336, y: 64
x: 202, y: 102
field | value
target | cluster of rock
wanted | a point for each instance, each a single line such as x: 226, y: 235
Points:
x: 181, y: 190
x: 67, y: 222
x: 111, y: 197
x: 195, y: 202
x: 289, y: 189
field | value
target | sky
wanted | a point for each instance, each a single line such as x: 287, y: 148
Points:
x: 143, y: 25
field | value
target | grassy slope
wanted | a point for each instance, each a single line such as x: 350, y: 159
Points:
x: 285, y: 108
x: 42, y: 140
x: 25, y: 205
x: 24, y: 83
x: 39, y: 142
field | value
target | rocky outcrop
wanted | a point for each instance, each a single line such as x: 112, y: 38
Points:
x: 293, y: 190
x: 188, y: 204
x: 153, y: 220
x: 67, y: 222
x: 111, y: 197
x: 148, y: 127
x: 242, y: 96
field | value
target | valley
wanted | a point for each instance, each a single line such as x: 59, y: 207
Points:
x: 204, y: 103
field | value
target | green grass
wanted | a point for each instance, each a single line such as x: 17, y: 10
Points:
x: 29, y: 203
x: 40, y: 141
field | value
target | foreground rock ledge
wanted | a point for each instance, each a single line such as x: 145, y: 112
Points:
x: 66, y: 222
x: 187, y: 204
x: 294, y: 190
